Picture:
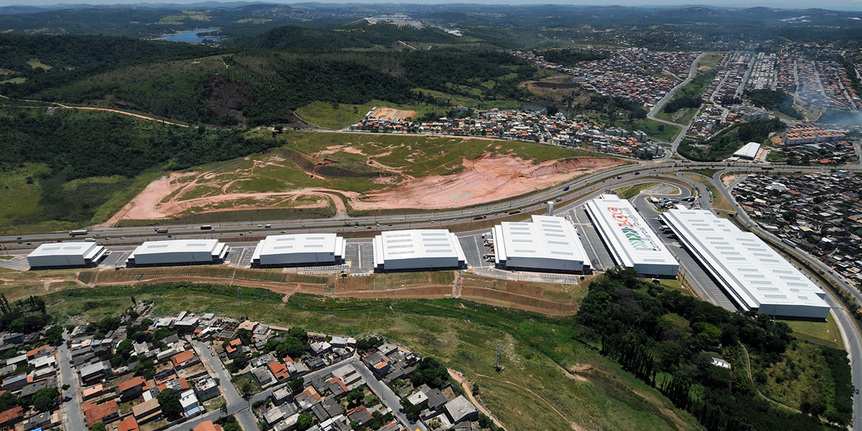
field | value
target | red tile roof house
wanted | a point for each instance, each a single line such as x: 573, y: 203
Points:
x: 131, y: 389
x: 104, y: 412
x: 184, y: 359
x: 10, y: 417
x: 129, y: 424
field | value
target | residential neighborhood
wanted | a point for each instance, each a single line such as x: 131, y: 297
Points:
x: 202, y: 372
x: 817, y: 213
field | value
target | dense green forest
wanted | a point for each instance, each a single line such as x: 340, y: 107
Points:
x: 262, y: 87
x: 728, y: 141
x: 77, y: 145
x: 668, y: 340
x: 361, y: 35
x: 571, y: 57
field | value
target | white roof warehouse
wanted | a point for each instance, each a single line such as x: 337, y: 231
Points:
x: 546, y: 244
x: 754, y: 275
x: 300, y: 249
x: 178, y: 252
x: 67, y: 254
x: 418, y: 249
x: 628, y: 237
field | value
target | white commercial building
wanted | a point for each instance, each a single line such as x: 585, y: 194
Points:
x: 418, y: 249
x: 178, y: 252
x: 546, y: 243
x: 301, y: 249
x: 66, y: 254
x: 749, y: 151
x: 754, y: 275
x: 628, y: 237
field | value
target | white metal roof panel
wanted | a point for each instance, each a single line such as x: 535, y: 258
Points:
x: 630, y: 239
x: 66, y: 249
x: 755, y: 274
x: 749, y: 150
x: 545, y: 237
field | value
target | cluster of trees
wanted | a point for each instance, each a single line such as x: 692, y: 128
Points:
x: 43, y: 400
x: 616, y: 108
x: 294, y: 344
x: 367, y: 343
x: 24, y: 315
x: 773, y: 100
x: 682, y: 103
x: 430, y: 371
x: 571, y: 57
x: 727, y: 142
x: 664, y: 338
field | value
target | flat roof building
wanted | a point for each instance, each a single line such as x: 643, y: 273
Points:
x: 752, y: 274
x: 748, y: 151
x: 178, y: 252
x: 301, y: 249
x: 419, y: 249
x: 546, y: 243
x: 628, y: 237
x: 66, y: 254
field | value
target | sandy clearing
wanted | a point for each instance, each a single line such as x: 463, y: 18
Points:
x: 482, y: 180
x: 392, y: 114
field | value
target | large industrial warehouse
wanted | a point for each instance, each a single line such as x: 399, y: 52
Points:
x: 65, y: 255
x: 754, y: 276
x: 628, y: 237
x: 546, y: 243
x: 419, y: 249
x: 178, y: 252
x: 301, y: 249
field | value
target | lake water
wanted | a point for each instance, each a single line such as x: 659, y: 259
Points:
x: 191, y: 36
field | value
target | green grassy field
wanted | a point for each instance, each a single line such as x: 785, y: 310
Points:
x: 655, y: 130
x: 825, y: 333
x: 533, y: 392
x: 338, y: 116
x: 632, y: 191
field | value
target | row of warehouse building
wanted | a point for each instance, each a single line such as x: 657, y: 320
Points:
x: 750, y: 272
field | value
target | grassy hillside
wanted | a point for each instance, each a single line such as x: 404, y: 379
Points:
x: 535, y: 391
x: 66, y: 165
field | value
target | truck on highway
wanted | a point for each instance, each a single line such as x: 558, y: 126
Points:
x: 78, y: 232
x: 206, y: 227
x: 161, y: 230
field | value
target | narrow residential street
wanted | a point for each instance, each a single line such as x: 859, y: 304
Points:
x: 73, y: 419
x: 387, y: 396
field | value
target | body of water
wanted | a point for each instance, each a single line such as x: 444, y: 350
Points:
x: 191, y: 36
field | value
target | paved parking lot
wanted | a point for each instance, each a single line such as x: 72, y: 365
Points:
x: 240, y: 257
x: 359, y: 256
x: 115, y: 259
x: 473, y: 250
x: 599, y: 256
x: 17, y: 263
